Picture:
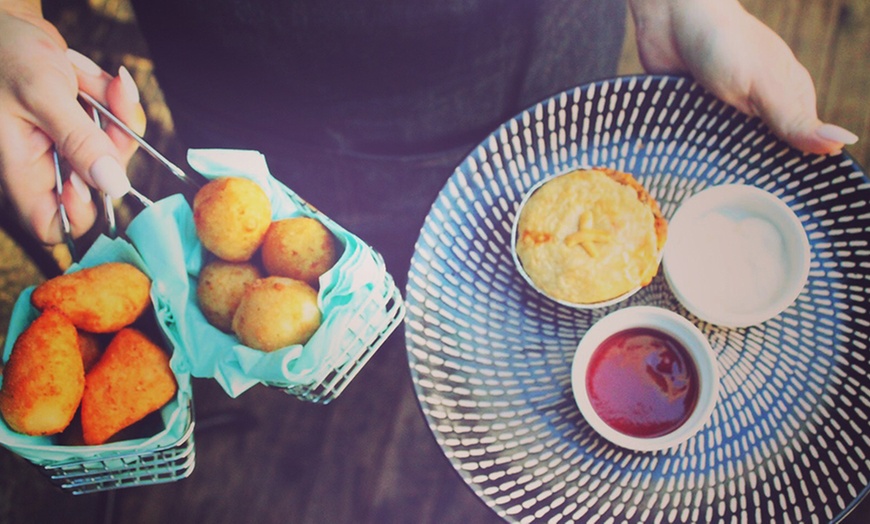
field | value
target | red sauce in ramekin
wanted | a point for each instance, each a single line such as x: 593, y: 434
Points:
x: 642, y: 382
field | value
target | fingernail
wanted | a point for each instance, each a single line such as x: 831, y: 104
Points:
x: 110, y: 177
x: 836, y: 134
x: 128, y: 85
x: 83, y: 63
x: 79, y: 186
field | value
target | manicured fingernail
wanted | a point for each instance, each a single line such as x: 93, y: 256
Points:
x: 836, y: 134
x: 110, y: 177
x: 128, y: 85
x: 83, y: 63
x: 79, y: 186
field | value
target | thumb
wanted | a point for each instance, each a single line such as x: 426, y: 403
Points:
x: 792, y: 114
x: 84, y: 145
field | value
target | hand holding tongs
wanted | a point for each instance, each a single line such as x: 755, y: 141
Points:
x: 98, y: 109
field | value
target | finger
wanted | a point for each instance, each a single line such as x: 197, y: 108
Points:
x: 787, y: 103
x: 79, y: 205
x: 36, y: 197
x: 79, y: 140
x: 122, y: 97
x: 27, y: 170
x: 44, y: 220
x: 42, y: 217
x: 655, y: 39
x: 41, y: 212
x: 119, y: 94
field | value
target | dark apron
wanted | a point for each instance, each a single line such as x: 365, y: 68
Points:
x: 365, y: 108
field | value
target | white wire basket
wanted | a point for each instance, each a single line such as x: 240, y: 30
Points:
x: 362, y: 338
x: 111, y: 471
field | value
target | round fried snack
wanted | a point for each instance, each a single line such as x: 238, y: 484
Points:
x: 231, y: 215
x: 276, y: 312
x: 300, y: 248
x: 99, y: 299
x: 131, y: 380
x: 44, y: 378
x: 220, y: 288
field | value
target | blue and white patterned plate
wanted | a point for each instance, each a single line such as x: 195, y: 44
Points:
x: 789, y: 440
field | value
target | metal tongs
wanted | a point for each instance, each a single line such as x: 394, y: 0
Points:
x: 97, y: 110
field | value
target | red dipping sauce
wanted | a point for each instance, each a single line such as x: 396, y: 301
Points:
x: 642, y: 382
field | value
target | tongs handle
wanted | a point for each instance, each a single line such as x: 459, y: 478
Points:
x: 108, y: 205
x: 142, y: 143
x: 97, y: 110
x: 65, y: 226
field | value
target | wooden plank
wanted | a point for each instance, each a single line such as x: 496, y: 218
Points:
x: 848, y: 78
x: 629, y: 61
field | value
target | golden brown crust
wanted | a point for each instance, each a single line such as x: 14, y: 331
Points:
x: 220, y: 288
x: 661, y: 224
x: 276, y: 312
x: 231, y: 215
x: 131, y: 380
x: 590, y: 235
x: 99, y: 299
x: 44, y: 378
x: 300, y: 248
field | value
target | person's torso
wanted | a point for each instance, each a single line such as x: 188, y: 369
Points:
x: 391, y: 76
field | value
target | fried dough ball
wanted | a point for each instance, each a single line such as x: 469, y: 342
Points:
x: 99, y: 299
x: 300, y: 248
x: 220, y: 288
x: 44, y: 378
x: 276, y: 312
x: 132, y: 380
x: 231, y: 215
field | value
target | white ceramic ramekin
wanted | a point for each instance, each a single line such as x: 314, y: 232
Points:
x: 669, y: 323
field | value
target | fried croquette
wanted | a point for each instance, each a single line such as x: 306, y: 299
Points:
x: 231, y: 216
x: 300, y: 247
x: 44, y: 378
x: 99, y: 299
x: 131, y: 380
x: 276, y: 312
x: 219, y: 290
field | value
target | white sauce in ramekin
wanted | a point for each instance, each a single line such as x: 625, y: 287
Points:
x: 737, y: 263
x: 736, y: 255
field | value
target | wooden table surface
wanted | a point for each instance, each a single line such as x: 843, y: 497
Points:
x: 369, y: 456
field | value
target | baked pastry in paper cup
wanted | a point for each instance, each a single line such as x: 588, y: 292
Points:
x: 161, y: 430
x: 343, y: 292
x: 589, y: 237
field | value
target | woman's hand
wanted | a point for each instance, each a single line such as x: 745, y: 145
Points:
x: 740, y: 60
x: 39, y: 84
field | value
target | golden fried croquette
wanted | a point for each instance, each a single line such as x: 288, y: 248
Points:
x: 131, y: 380
x: 300, y: 248
x: 44, y: 378
x: 99, y: 299
x: 219, y: 290
x: 276, y: 312
x: 90, y: 347
x: 231, y: 215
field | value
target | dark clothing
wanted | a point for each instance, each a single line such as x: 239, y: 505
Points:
x: 365, y: 108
